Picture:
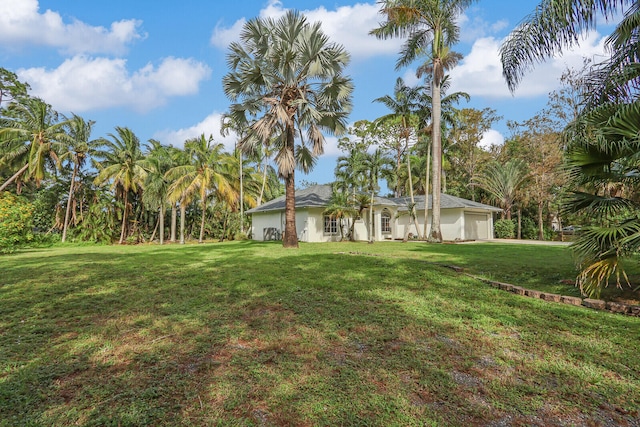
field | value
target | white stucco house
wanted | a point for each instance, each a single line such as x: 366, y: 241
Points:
x: 461, y: 219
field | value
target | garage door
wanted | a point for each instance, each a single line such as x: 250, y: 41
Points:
x: 476, y: 226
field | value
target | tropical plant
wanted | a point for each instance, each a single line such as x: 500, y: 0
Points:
x: 340, y: 209
x: 15, y: 221
x: 31, y: 133
x: 375, y: 164
x: 288, y: 73
x: 503, y: 182
x: 604, y: 139
x: 207, y: 174
x: 431, y: 28
x: 11, y: 89
x: 76, y: 152
x: 156, y: 186
x: 122, y: 163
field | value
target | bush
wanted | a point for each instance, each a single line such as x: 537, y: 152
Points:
x: 505, y: 229
x: 15, y: 222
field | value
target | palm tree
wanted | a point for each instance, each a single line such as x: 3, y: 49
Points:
x: 76, y: 151
x: 431, y: 27
x: 32, y: 132
x: 205, y: 175
x: 503, y: 182
x: 288, y: 73
x: 340, y: 208
x: 156, y: 186
x: 375, y: 164
x: 403, y: 104
x: 123, y: 164
x: 604, y: 140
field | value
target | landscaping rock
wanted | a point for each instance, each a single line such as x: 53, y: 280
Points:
x: 550, y: 297
x: 505, y: 286
x: 518, y: 290
x: 617, y: 307
x: 531, y: 293
x: 598, y: 304
x: 634, y: 310
x: 571, y: 300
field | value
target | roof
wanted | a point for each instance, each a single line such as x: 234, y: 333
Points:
x: 318, y: 196
x: 447, y: 201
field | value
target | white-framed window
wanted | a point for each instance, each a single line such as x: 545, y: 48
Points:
x: 330, y: 225
x: 385, y: 221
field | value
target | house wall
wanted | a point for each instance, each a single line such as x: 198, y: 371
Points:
x: 264, y: 220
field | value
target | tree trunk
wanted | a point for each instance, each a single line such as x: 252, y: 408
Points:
x: 540, y: 222
x: 204, y: 213
x: 519, y: 223
x: 264, y: 182
x: 290, y: 238
x: 124, y: 216
x: 426, y: 193
x: 68, y: 211
x: 412, y: 212
x: 183, y: 213
x: 174, y: 220
x: 161, y: 220
x: 241, y: 198
x: 14, y: 177
x: 371, y: 218
x: 436, y: 232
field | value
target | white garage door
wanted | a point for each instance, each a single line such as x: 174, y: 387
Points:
x: 476, y: 226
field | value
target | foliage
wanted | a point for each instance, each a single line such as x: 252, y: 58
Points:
x: 286, y: 84
x: 505, y: 229
x: 15, y: 222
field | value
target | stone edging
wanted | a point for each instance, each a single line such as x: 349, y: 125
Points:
x: 597, y: 304
x: 614, y: 307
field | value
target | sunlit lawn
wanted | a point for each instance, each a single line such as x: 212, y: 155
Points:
x: 331, y: 334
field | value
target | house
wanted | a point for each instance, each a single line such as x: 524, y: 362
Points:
x: 460, y: 219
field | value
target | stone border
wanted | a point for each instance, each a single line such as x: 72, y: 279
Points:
x: 597, y: 304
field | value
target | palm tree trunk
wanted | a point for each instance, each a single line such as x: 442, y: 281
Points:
x: 204, y: 213
x: 241, y: 198
x: 290, y: 239
x: 183, y: 213
x: 413, y: 202
x: 540, y: 222
x: 174, y: 220
x: 14, y: 177
x: 426, y: 192
x: 124, y: 216
x: 436, y: 232
x: 69, y: 200
x: 161, y: 220
x: 519, y: 223
x: 371, y: 218
x: 264, y: 182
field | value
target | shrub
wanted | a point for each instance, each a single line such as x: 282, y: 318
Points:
x: 15, y: 222
x: 505, y: 229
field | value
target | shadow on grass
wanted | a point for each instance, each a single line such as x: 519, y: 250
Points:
x: 204, y: 335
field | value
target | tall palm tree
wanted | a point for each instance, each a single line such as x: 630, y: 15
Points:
x: 431, y: 28
x: 604, y: 140
x: 156, y: 186
x: 206, y: 175
x: 375, y: 164
x: 288, y: 73
x: 76, y: 152
x: 404, y: 107
x: 122, y: 163
x: 503, y: 182
x: 31, y: 131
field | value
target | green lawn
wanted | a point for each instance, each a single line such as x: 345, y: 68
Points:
x: 348, y: 334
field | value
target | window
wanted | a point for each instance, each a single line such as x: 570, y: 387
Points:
x: 330, y: 225
x: 385, y: 221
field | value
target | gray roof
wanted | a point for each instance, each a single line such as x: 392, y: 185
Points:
x: 318, y: 196
x: 447, y: 201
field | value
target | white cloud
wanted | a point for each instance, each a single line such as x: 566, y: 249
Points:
x: 347, y: 25
x: 21, y: 23
x: 490, y: 138
x: 210, y: 125
x: 480, y: 72
x: 81, y: 83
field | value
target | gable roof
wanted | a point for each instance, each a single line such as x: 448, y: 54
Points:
x: 318, y: 196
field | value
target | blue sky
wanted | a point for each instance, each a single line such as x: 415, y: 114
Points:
x: 156, y: 67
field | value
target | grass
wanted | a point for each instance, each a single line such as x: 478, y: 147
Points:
x: 247, y: 333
